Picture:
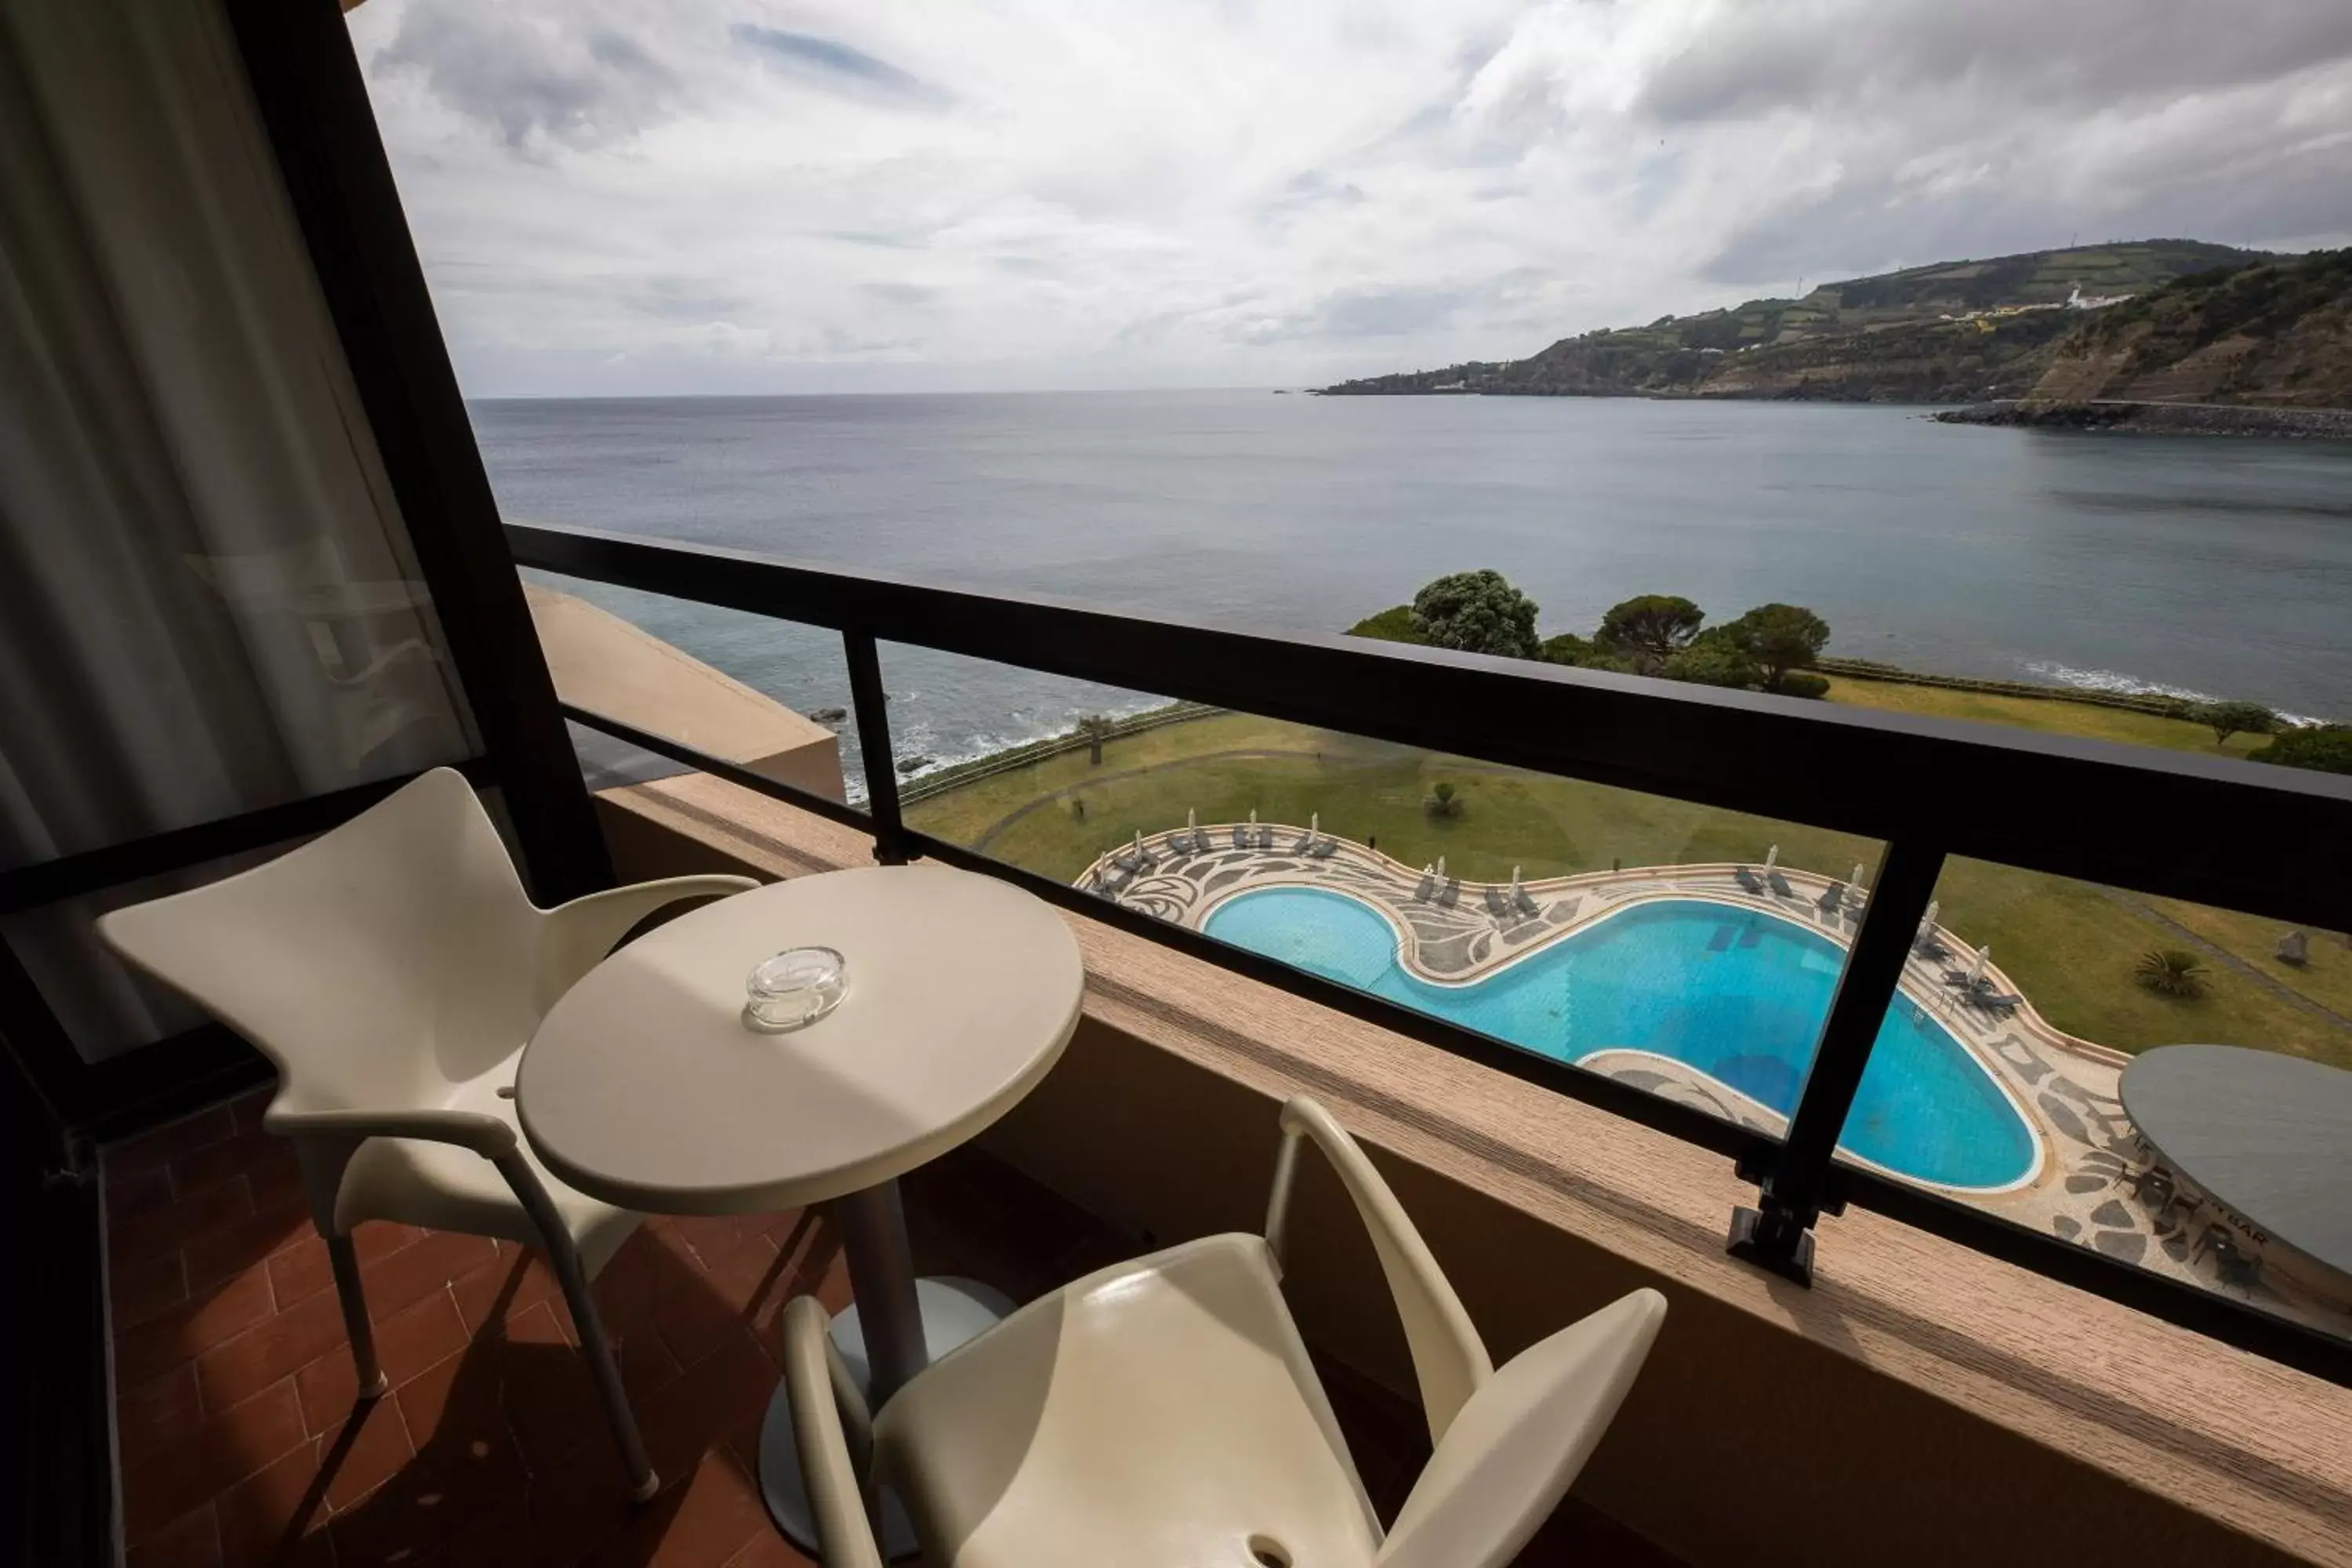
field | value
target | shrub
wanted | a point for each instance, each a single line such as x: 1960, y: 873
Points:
x: 1582, y: 652
x: 2325, y: 748
x: 1800, y: 683
x: 1650, y: 630
x: 1442, y: 801
x: 2228, y: 718
x: 1392, y: 625
x: 1476, y: 612
x: 2169, y: 972
x: 1714, y: 658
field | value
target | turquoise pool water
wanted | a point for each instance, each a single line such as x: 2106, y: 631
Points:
x: 1737, y: 994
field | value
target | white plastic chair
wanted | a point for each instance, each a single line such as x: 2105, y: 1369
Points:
x: 1165, y: 1411
x: 393, y: 970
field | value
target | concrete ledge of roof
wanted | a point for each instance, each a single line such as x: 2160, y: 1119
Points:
x: 1921, y: 1404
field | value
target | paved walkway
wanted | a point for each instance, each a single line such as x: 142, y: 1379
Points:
x: 1454, y: 933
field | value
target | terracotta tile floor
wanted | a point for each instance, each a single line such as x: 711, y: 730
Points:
x: 240, y: 1443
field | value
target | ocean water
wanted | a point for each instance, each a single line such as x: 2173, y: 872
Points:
x: 1738, y: 994
x: 2189, y: 564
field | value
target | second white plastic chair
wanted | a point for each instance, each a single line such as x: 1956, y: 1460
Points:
x: 392, y: 970
x: 1166, y: 1411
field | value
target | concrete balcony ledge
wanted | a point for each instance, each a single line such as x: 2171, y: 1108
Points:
x: 607, y: 666
x: 1922, y: 1403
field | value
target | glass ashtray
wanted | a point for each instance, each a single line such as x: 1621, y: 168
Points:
x: 794, y: 989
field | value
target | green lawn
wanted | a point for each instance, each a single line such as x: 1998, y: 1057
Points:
x: 2038, y: 713
x: 2068, y: 945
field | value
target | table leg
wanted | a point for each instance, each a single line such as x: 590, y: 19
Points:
x: 894, y: 1329
x: 882, y: 1275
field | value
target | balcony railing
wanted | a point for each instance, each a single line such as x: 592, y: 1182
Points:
x: 2268, y: 841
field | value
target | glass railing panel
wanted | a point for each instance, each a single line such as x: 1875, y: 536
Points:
x: 1689, y: 951
x: 2037, y: 1012
x: 770, y: 695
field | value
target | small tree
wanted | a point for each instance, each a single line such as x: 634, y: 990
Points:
x: 2228, y: 718
x: 1443, y: 800
x: 1779, y: 638
x: 1714, y: 658
x: 1650, y: 630
x: 2169, y: 972
x: 1096, y: 728
x: 1476, y: 612
x: 2325, y: 748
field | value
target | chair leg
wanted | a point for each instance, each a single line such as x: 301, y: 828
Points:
x: 361, y: 1333
x: 598, y: 1349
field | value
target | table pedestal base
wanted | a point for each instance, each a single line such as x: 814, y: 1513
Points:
x: 953, y: 1310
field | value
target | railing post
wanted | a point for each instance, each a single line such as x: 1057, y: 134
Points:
x: 871, y: 704
x: 1778, y: 1233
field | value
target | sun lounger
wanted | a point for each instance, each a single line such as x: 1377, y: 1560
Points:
x: 1748, y: 880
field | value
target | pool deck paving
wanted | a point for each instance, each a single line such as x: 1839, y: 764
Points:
x: 2085, y: 1187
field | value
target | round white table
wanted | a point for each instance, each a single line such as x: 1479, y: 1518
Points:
x: 644, y: 1087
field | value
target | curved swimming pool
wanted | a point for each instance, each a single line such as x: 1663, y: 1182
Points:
x: 1737, y: 994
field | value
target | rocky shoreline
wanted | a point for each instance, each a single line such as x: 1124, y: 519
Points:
x: 2170, y: 418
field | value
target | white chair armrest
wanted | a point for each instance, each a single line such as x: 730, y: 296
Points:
x: 1518, y: 1446
x: 485, y: 1134
x: 577, y: 935
x: 835, y: 1481
x: 1449, y: 1359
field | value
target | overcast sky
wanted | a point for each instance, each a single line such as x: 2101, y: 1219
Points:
x: 762, y: 195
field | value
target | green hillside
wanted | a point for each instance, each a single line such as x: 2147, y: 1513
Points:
x: 1952, y: 331
x: 2278, y: 333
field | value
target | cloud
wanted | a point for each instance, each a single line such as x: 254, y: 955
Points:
x: 675, y: 196
x: 832, y: 64
x: 531, y: 81
x: 1818, y: 55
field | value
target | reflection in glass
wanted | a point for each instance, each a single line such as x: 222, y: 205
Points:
x: 2057, y: 991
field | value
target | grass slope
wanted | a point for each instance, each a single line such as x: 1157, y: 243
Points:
x: 2070, y: 946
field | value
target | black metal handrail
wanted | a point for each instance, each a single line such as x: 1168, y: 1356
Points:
x: 2267, y: 840
x: 2270, y: 841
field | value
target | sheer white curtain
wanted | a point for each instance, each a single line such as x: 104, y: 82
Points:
x: 208, y: 600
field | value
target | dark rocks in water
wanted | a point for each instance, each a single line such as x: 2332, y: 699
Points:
x: 828, y: 715
x: 2171, y: 418
x: 915, y: 764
